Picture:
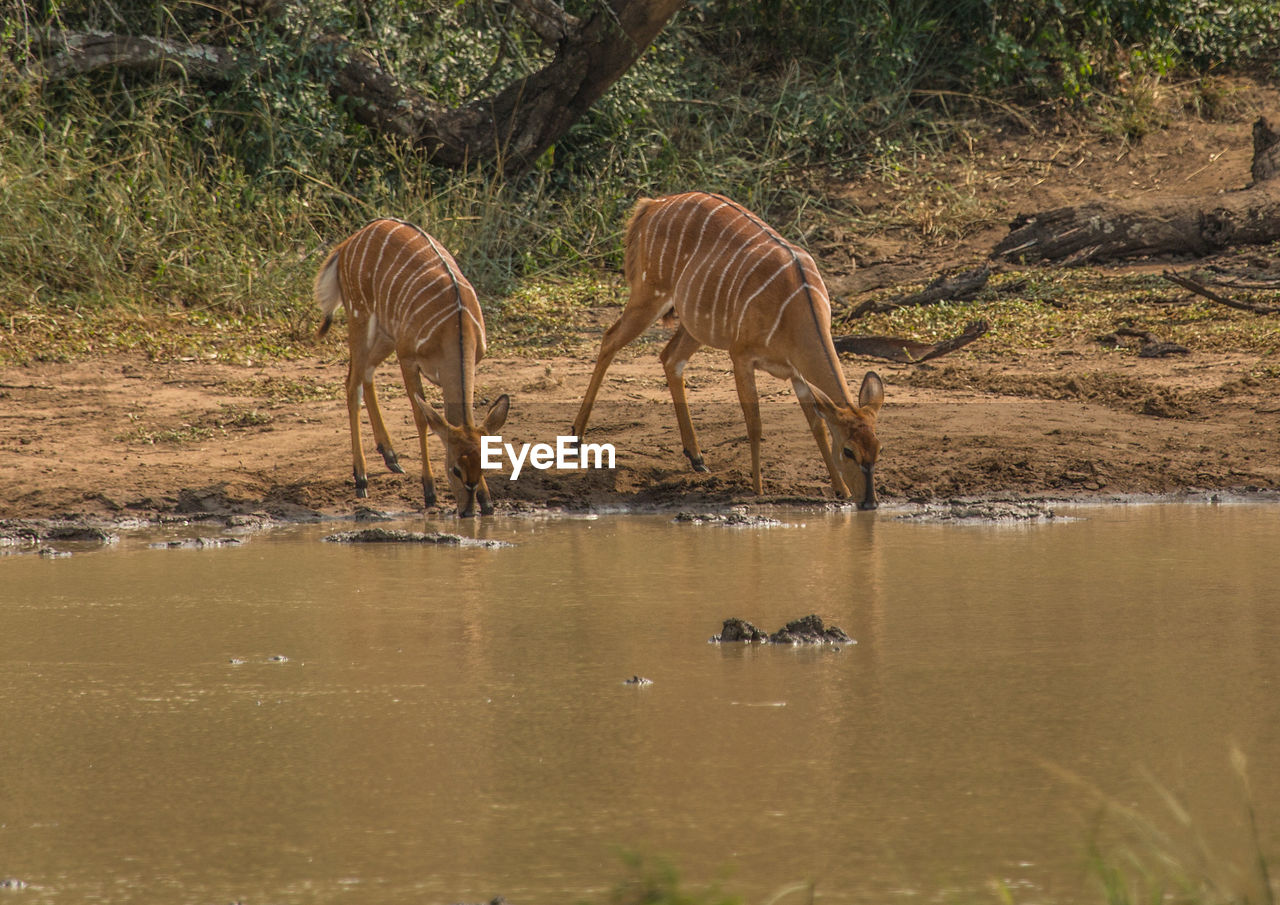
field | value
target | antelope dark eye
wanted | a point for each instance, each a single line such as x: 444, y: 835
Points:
x: 848, y: 453
x: 457, y: 472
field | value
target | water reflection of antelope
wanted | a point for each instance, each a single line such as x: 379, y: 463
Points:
x: 404, y: 293
x: 734, y: 283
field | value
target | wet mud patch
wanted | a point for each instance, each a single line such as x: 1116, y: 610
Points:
x: 53, y: 539
x: 806, y: 630
x: 390, y: 536
x: 196, y: 543
x: 286, y: 502
x: 984, y: 512
x: 734, y: 518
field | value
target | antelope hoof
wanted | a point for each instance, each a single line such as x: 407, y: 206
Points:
x: 429, y: 497
x: 467, y: 513
x: 486, y: 508
x: 362, y: 486
x: 393, y: 462
x: 867, y: 505
x: 696, y: 462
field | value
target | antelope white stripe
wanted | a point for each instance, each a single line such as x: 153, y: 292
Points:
x: 747, y: 304
x: 781, y: 311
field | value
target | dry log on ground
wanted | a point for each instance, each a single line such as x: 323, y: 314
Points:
x: 907, y: 351
x: 1111, y: 230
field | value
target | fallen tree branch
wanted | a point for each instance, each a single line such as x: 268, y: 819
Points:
x: 1201, y: 289
x: 961, y: 287
x: 1099, y: 231
x: 81, y: 53
x: 908, y: 351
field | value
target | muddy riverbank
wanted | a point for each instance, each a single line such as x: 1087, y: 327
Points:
x: 122, y: 439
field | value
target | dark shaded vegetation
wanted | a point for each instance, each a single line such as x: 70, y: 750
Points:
x: 179, y: 197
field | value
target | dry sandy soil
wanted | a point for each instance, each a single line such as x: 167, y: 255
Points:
x: 126, y: 438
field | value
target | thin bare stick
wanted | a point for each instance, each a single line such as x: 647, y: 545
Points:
x: 1200, y: 289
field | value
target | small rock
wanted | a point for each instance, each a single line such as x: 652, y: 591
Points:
x: 82, y: 533
x: 367, y: 514
x: 807, y: 630
x: 740, y: 630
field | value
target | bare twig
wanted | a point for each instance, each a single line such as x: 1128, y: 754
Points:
x: 1200, y: 289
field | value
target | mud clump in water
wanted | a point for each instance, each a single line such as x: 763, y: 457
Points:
x: 735, y: 518
x: 196, y: 543
x: 984, y: 512
x: 389, y: 536
x: 808, y: 630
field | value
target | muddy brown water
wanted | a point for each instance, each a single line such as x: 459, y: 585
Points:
x: 295, y: 721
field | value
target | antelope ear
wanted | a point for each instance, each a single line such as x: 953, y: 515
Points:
x: 497, y: 414
x: 871, y: 395
x: 434, y: 419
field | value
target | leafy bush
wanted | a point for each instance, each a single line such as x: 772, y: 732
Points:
x: 167, y: 192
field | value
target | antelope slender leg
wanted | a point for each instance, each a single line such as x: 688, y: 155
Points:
x: 355, y: 391
x: 641, y: 311
x: 413, y: 383
x: 380, y: 435
x: 744, y: 375
x: 819, y: 429
x: 674, y: 357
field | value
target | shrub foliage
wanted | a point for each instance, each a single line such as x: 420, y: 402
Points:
x: 127, y: 186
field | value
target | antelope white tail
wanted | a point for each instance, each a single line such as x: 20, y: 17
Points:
x: 327, y: 291
x: 405, y: 293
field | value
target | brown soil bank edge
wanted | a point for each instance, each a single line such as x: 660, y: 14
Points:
x: 124, y: 438
x: 121, y: 439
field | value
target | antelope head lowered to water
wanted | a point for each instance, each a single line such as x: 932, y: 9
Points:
x: 734, y: 283
x: 404, y: 293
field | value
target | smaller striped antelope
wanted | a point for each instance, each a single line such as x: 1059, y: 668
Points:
x: 405, y: 294
x: 732, y: 282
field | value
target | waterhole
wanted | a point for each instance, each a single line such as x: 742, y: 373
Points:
x: 286, y: 720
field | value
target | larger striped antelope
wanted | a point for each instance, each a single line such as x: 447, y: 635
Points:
x: 734, y: 283
x: 405, y: 294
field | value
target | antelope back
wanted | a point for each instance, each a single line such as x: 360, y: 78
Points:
x: 396, y: 279
x: 730, y: 276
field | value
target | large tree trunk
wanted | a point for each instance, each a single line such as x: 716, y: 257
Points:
x: 527, y: 117
x: 1103, y: 231
x: 513, y: 128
